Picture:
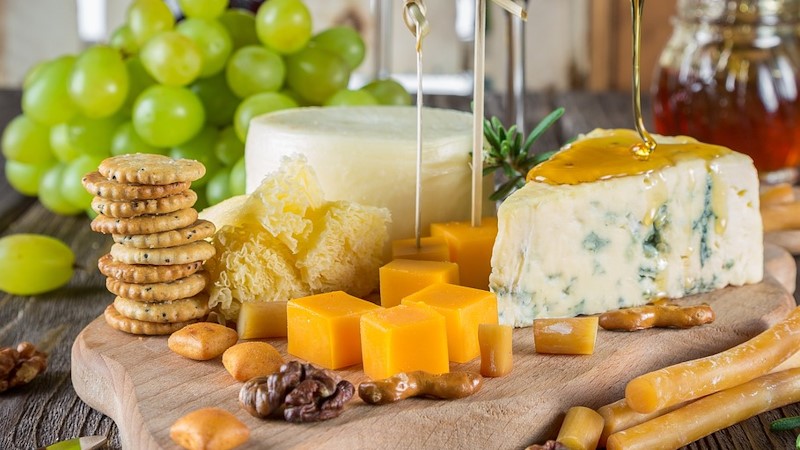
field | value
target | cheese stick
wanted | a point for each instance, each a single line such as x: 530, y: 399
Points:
x: 693, y: 379
x: 712, y: 413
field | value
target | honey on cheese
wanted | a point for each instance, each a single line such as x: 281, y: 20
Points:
x: 403, y: 338
x: 323, y: 329
x: 471, y: 248
x: 464, y: 309
x: 431, y: 248
x: 596, y: 229
x: 402, y: 277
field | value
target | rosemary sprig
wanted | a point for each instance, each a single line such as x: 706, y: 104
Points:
x: 508, y: 152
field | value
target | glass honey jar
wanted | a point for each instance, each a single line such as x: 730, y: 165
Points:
x: 730, y: 75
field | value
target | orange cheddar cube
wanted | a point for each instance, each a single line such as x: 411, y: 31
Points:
x: 323, y: 329
x: 471, y: 248
x: 431, y: 249
x: 402, y: 277
x: 403, y: 339
x: 464, y: 309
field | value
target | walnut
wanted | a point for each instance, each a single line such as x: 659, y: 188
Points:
x: 298, y: 392
x: 21, y: 365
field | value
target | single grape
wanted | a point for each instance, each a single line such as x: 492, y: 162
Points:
x: 237, y: 179
x: 33, y: 73
x: 388, y: 92
x: 92, y: 136
x: 255, y: 106
x: 218, y: 188
x: 172, y: 58
x: 91, y: 214
x: 138, y: 81
x: 25, y: 178
x: 219, y: 102
x: 254, y: 69
x: 32, y: 264
x: 59, y: 143
x: 166, y: 116
x: 213, y: 41
x: 46, y: 99
x: 71, y: 186
x: 342, y: 41
x: 146, y: 18
x: 346, y: 97
x: 284, y: 25
x: 123, y: 40
x: 51, y: 194
x: 316, y: 74
x: 295, y: 96
x: 228, y: 147
x: 126, y: 140
x: 26, y: 141
x: 99, y: 82
x: 203, y: 9
x: 241, y: 26
x: 200, y: 148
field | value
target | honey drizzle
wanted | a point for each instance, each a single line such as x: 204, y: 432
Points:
x: 640, y: 150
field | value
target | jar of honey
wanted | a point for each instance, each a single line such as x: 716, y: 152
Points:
x: 730, y: 75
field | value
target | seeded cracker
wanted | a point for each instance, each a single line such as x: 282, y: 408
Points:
x: 159, y: 292
x: 141, y: 273
x: 143, y: 168
x: 196, y: 251
x: 133, y: 208
x: 148, y: 224
x: 200, y: 230
x: 133, y: 326
x: 98, y: 185
x: 181, y: 310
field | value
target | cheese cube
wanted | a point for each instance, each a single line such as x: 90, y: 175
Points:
x: 431, y: 249
x: 464, y: 309
x: 402, y: 277
x: 323, y: 329
x: 471, y: 248
x: 403, y: 339
x: 567, y: 336
x: 262, y: 320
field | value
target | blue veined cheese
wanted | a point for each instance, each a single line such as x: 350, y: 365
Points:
x: 687, y: 226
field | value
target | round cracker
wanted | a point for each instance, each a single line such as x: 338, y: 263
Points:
x: 174, y: 311
x: 196, y: 251
x: 150, y: 169
x: 198, y: 231
x: 159, y: 292
x: 147, y: 224
x: 133, y: 326
x: 100, y: 186
x: 133, y: 208
x: 141, y: 273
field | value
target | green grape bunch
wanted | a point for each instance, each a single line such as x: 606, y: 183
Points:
x: 185, y: 87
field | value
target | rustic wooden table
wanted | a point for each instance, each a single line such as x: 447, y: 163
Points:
x: 48, y: 409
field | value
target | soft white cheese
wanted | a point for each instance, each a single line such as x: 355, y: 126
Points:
x: 565, y: 250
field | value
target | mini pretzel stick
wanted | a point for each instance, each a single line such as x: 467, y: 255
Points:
x: 780, y: 193
x: 782, y: 216
x: 619, y: 416
x: 712, y: 413
x: 663, y: 315
x: 693, y: 379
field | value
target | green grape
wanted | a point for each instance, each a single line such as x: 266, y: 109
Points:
x: 316, y: 74
x: 172, y: 58
x: 46, y: 99
x: 295, y: 96
x: 284, y: 25
x: 71, y: 186
x: 99, y: 82
x: 203, y: 9
x: 138, y: 81
x: 166, y: 116
x: 91, y: 214
x: 213, y: 41
x: 255, y: 106
x: 344, y: 42
x: 51, y: 194
x: 146, y: 18
x: 33, y: 73
x: 346, y: 97
x: 59, y: 143
x: 126, y: 140
x: 388, y: 92
x: 200, y: 148
x: 237, y: 179
x: 218, y: 187
x: 25, y: 178
x: 33, y: 264
x: 26, y: 141
x: 218, y: 100
x: 254, y: 69
x: 228, y: 147
x: 241, y: 26
x: 123, y: 40
x: 92, y: 136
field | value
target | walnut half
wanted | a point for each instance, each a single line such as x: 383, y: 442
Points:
x: 19, y: 366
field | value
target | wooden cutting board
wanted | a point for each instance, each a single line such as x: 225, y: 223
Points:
x: 144, y: 387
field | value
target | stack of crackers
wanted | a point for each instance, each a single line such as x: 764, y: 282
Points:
x: 155, y: 265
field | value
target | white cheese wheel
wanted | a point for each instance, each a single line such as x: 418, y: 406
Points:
x: 368, y: 155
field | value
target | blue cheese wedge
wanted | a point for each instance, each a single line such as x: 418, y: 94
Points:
x: 595, y: 229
